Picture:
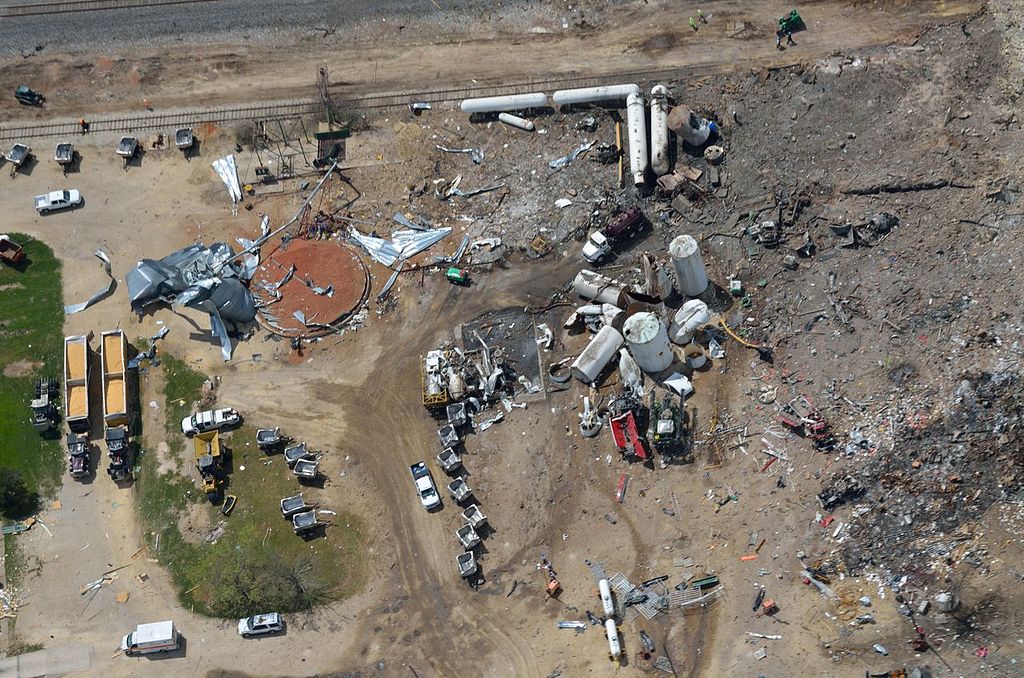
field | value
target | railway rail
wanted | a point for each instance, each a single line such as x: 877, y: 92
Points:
x: 74, y: 6
x: 353, y: 102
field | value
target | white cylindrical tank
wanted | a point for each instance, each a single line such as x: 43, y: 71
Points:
x: 514, y: 102
x: 693, y: 315
x: 647, y: 340
x: 605, y: 590
x: 586, y: 95
x: 695, y: 356
x: 636, y: 121
x: 596, y: 287
x: 602, y: 348
x: 691, y: 278
x: 614, y: 646
x: 516, y: 121
x: 659, y: 129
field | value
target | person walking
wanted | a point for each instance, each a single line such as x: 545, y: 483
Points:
x: 693, y: 24
x: 700, y: 15
x: 789, y: 39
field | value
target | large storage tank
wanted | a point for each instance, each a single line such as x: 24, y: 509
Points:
x: 691, y: 278
x: 596, y: 287
x: 513, y: 102
x: 636, y: 123
x: 598, y: 353
x: 659, y: 130
x: 614, y: 645
x: 647, y: 340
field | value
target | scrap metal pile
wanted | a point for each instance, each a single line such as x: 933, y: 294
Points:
x: 210, y: 278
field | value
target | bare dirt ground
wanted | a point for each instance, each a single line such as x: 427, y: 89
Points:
x: 873, y: 114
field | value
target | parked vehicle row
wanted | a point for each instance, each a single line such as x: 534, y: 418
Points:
x: 163, y: 636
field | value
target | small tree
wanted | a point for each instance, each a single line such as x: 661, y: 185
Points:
x: 17, y: 501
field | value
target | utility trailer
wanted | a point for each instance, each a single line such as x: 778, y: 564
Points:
x: 78, y: 455
x: 184, y: 139
x: 304, y: 522
x: 10, y: 251
x: 460, y: 490
x: 76, y: 383
x: 467, y: 564
x: 296, y: 453
x: 474, y: 516
x: 467, y: 536
x: 448, y: 436
x: 269, y: 438
x: 296, y: 504
x: 127, y: 148
x: 18, y: 156
x: 306, y: 469
x: 64, y: 154
x: 449, y: 460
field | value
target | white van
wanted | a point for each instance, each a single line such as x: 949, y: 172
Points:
x: 155, y: 637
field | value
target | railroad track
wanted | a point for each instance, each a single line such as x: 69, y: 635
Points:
x: 353, y: 102
x: 74, y: 6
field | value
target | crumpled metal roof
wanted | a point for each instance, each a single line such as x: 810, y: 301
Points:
x: 403, y: 244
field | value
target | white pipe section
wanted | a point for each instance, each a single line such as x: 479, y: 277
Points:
x: 516, y: 121
x: 587, y: 95
x: 636, y: 121
x: 514, y: 102
x: 614, y: 647
x: 605, y: 589
x: 659, y: 129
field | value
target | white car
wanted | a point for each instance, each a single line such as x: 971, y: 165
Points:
x: 58, y: 200
x: 260, y: 624
x: 425, y: 486
x: 210, y: 420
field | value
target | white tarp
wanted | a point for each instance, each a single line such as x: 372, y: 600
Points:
x: 226, y: 170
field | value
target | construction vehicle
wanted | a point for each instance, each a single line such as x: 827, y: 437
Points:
x: 10, y: 252
x: 78, y: 455
x: 434, y: 375
x: 457, y: 276
x: 29, y: 97
x: 44, y: 405
x: 665, y: 431
x: 76, y: 383
x: 791, y: 23
x: 805, y: 420
x: 113, y: 357
x: 209, y: 461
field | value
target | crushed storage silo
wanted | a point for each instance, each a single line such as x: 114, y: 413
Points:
x: 691, y: 278
x: 693, y: 315
x: 598, y: 353
x: 647, y: 340
x: 596, y: 287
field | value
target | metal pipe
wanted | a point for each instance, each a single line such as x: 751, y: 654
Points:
x: 516, y: 121
x: 587, y: 95
x: 659, y: 130
x: 514, y: 102
x: 637, y: 122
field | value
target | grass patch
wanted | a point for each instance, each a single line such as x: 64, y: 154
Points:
x: 31, y: 345
x: 17, y: 648
x: 258, y: 564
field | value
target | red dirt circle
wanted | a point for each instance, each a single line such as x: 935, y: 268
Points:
x: 318, y: 263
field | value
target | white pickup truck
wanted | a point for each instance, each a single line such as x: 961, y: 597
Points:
x: 425, y: 486
x: 210, y: 420
x: 58, y: 200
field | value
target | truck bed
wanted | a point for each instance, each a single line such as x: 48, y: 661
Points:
x: 112, y: 357
x: 76, y: 382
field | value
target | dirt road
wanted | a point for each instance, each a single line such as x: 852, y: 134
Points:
x: 632, y: 39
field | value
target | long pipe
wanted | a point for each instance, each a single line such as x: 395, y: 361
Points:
x: 586, y: 95
x: 637, y: 123
x: 659, y: 130
x: 513, y: 102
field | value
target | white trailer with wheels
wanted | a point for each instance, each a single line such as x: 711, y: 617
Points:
x: 149, y: 638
